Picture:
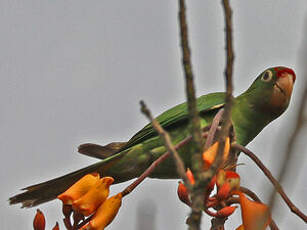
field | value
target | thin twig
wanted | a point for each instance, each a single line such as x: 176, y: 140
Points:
x: 167, y: 141
x: 276, y: 184
x: 217, y: 223
x: 298, y: 126
x: 250, y: 193
x: 196, y: 148
x: 214, y: 125
x: 190, y: 89
x: 145, y: 174
x: 228, y: 80
x: 152, y: 167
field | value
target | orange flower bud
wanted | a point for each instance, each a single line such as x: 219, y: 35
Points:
x: 226, y: 211
x: 223, y: 191
x: 255, y: 215
x: 39, y: 221
x: 190, y: 176
x: 56, y: 227
x: 89, y: 202
x: 78, y: 189
x: 183, y: 193
x: 210, y: 154
x: 105, y: 213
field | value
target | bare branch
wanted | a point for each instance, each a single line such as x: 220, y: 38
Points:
x: 228, y: 80
x: 213, y: 129
x: 190, y: 89
x: 196, y: 195
x: 219, y: 223
x: 167, y: 141
x: 152, y: 167
x: 276, y: 184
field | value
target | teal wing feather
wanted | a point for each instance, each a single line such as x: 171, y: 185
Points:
x: 176, y: 115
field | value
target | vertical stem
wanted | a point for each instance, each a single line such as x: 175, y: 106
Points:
x: 197, y: 194
x: 228, y: 80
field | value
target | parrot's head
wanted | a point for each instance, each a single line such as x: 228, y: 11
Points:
x: 272, y: 89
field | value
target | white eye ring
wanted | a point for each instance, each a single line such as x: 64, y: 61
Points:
x: 267, y: 76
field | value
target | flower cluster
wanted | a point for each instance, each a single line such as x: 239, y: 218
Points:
x: 89, y: 197
x: 255, y: 215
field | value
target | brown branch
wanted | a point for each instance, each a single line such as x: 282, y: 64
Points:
x: 145, y: 174
x: 167, y: 141
x: 190, y: 89
x: 196, y: 149
x: 228, y: 80
x: 250, y: 193
x: 216, y: 222
x: 269, y: 175
x: 287, y: 157
x: 214, y: 126
x: 152, y: 167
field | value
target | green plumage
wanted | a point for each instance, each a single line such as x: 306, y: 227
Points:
x: 251, y: 112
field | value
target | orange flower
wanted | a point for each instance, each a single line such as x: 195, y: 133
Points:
x: 255, y: 215
x: 39, y: 221
x: 78, y: 189
x: 190, y: 176
x: 226, y: 211
x: 97, y: 194
x: 105, y: 213
x: 56, y: 227
x: 223, y: 191
x: 241, y: 227
x: 183, y: 193
x: 210, y: 154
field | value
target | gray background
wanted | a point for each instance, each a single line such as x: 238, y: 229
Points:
x: 74, y: 72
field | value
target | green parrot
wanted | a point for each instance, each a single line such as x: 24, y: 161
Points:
x: 265, y: 100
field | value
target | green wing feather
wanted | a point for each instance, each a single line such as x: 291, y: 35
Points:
x: 176, y: 115
x: 169, y: 119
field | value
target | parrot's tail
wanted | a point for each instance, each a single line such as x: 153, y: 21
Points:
x: 49, y: 190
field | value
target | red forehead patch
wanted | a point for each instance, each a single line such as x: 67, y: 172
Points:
x: 281, y: 70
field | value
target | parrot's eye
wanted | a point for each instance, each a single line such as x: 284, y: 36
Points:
x: 267, y: 76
